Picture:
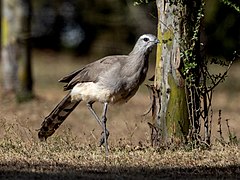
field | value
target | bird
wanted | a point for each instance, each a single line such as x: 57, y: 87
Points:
x: 110, y: 80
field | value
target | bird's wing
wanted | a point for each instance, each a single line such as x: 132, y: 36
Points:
x: 91, y: 72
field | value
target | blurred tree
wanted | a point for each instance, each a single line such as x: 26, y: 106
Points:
x: 25, y: 89
x: 82, y: 25
x: 222, y: 28
x: 0, y: 25
x: 16, y: 52
x: 9, y: 46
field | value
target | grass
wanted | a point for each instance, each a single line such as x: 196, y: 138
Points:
x: 64, y: 157
x: 73, y: 152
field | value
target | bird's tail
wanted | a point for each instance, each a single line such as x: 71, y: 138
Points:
x: 56, y: 117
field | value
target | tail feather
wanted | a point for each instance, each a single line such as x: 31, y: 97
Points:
x: 56, y: 117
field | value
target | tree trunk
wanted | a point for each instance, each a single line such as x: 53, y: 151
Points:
x: 9, y: 49
x: 170, y: 110
x: 0, y: 28
x: 16, y: 56
x: 25, y: 70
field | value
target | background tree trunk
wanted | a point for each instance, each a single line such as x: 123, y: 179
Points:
x: 25, y: 70
x: 9, y: 49
x: 0, y: 29
x: 170, y: 110
x: 16, y: 52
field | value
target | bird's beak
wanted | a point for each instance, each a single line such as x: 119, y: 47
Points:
x: 157, y: 41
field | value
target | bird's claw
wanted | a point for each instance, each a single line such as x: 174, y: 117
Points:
x: 102, y: 140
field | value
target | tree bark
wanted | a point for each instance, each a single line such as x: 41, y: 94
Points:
x: 25, y: 90
x: 16, y: 52
x: 9, y: 46
x: 170, y: 110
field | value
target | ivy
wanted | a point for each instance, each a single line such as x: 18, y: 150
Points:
x: 199, y: 82
x: 139, y: 2
x: 231, y: 4
x: 190, y: 47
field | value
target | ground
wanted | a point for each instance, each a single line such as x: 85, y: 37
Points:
x: 73, y: 152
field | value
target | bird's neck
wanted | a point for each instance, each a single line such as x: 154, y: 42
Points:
x: 137, y: 51
x: 139, y: 57
x: 138, y: 62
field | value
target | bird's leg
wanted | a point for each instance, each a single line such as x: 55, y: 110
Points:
x: 105, y: 131
x: 102, y: 140
x: 89, y: 105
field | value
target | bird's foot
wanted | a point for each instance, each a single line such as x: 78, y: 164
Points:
x: 102, y: 140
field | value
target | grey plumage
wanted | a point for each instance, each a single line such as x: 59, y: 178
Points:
x: 112, y: 79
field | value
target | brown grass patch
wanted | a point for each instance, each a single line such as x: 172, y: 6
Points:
x: 65, y: 157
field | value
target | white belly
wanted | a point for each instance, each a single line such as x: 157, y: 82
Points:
x: 90, y: 91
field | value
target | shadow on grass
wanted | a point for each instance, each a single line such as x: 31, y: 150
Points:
x: 18, y: 170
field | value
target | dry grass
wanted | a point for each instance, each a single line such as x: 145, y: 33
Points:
x: 72, y: 152
x: 64, y: 157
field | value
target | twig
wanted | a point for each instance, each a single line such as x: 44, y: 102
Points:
x: 220, y: 124
x: 221, y: 77
x: 150, y: 90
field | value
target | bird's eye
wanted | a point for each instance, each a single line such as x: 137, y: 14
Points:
x: 146, y: 39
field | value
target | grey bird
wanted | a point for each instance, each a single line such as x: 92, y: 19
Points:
x: 110, y: 80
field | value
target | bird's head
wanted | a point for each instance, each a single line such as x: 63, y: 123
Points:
x: 145, y: 43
